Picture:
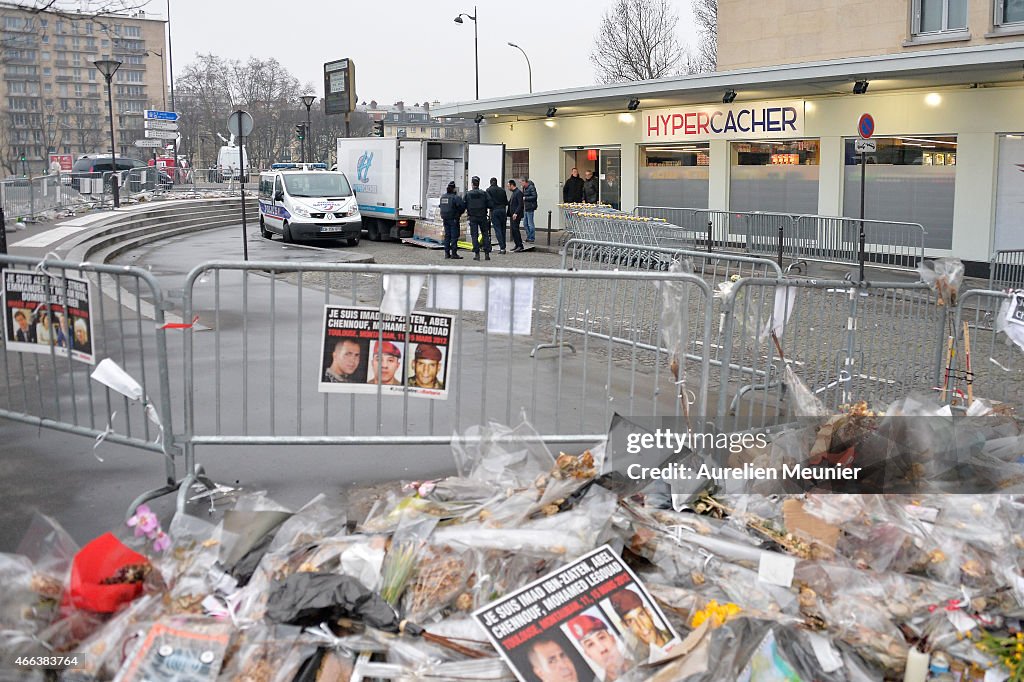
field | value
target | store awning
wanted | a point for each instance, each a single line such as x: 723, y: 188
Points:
x: 985, y: 65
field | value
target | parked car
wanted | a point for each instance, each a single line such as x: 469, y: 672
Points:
x: 91, y: 166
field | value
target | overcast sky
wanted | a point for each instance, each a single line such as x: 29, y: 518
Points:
x: 408, y: 50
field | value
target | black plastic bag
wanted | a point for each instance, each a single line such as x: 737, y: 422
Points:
x: 312, y: 598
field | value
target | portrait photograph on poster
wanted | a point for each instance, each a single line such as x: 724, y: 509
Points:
x: 45, y: 314
x: 366, y: 351
x: 589, y: 620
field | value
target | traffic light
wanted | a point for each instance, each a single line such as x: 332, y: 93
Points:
x: 378, y: 128
x: 300, y: 131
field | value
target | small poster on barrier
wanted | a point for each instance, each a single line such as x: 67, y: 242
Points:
x: 44, y: 313
x: 591, y: 619
x: 365, y: 351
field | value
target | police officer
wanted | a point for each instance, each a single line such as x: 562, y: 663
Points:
x: 452, y: 208
x: 477, y: 203
x: 499, y: 207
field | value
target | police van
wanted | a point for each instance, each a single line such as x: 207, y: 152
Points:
x: 305, y: 201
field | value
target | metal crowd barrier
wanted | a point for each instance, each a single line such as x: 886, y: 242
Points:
x: 29, y: 197
x: 53, y: 390
x: 800, y: 238
x: 575, y: 298
x: 985, y: 364
x: 887, y: 243
x: 1007, y: 270
x: 846, y: 342
x: 251, y: 374
x: 253, y: 379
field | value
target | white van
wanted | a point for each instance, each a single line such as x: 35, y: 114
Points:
x: 227, y: 164
x: 307, y: 201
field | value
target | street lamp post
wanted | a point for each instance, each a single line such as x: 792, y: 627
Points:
x: 308, y: 101
x: 108, y: 67
x: 163, y: 75
x: 163, y: 87
x: 476, y: 56
x: 529, y: 69
x: 170, y: 59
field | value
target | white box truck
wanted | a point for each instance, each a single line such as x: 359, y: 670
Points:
x: 394, y: 177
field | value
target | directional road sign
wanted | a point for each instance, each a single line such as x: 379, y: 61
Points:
x: 149, y: 143
x: 866, y: 126
x: 163, y: 134
x: 865, y: 146
x: 160, y: 125
x: 161, y: 115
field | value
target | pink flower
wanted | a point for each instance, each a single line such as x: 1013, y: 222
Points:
x: 144, y: 521
x: 161, y: 542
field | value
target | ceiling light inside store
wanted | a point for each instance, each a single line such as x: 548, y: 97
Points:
x: 626, y: 118
x: 933, y: 99
x: 549, y: 123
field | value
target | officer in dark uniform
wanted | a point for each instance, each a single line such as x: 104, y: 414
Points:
x: 499, y: 206
x: 452, y: 208
x: 477, y: 203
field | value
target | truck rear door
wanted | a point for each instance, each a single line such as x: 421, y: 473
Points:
x: 370, y: 163
x: 486, y: 161
x: 412, y: 178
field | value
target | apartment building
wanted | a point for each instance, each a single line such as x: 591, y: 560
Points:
x: 55, y: 101
x: 758, y: 34
x: 416, y: 121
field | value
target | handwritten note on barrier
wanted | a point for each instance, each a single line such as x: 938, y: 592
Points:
x: 510, y: 305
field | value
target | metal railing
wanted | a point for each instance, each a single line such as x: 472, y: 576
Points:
x: 983, y: 362
x: 30, y: 197
x: 257, y: 382
x: 846, y: 342
x: 1007, y: 270
x: 72, y: 315
x: 799, y: 238
x: 255, y: 374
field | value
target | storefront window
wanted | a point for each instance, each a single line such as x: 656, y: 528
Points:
x: 674, y: 176
x: 517, y: 163
x: 779, y: 176
x: 909, y: 179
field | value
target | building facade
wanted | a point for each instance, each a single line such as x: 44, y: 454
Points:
x: 416, y: 122
x: 55, y: 100
x: 792, y: 31
x: 778, y: 134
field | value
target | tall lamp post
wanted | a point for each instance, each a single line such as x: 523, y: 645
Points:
x: 108, y: 67
x: 476, y: 56
x: 529, y: 69
x: 163, y: 86
x: 170, y: 59
x: 163, y: 74
x: 308, y: 101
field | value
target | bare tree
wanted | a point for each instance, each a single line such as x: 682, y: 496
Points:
x: 705, y: 57
x: 76, y: 10
x: 637, y: 41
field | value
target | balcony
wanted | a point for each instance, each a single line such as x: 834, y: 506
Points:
x: 63, y: 79
x: 62, y: 62
x: 21, y: 77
